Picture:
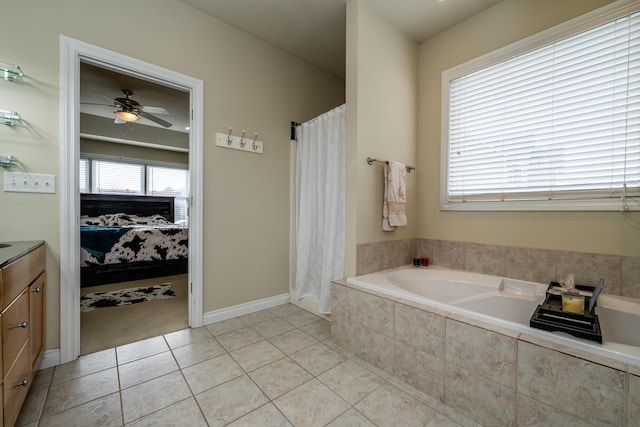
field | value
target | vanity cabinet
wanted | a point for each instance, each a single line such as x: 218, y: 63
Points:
x: 22, y: 292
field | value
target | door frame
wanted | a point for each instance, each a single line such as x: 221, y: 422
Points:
x: 72, y: 52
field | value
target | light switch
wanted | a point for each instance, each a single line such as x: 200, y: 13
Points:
x: 21, y: 182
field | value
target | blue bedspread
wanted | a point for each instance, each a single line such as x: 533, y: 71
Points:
x: 99, y: 239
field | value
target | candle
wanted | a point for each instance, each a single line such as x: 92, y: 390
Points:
x: 573, y: 303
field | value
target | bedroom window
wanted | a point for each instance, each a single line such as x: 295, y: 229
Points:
x: 84, y: 176
x: 166, y: 181
x: 100, y: 174
x: 550, y: 123
x: 117, y: 177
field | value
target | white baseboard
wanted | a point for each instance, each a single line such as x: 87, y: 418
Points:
x: 242, y: 309
x: 50, y: 358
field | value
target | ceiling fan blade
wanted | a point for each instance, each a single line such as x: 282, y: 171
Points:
x: 154, y: 119
x: 103, y: 95
x: 118, y: 120
x: 156, y: 110
x: 102, y: 105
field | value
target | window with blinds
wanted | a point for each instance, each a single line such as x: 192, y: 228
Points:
x: 166, y: 181
x: 554, y: 128
x: 117, y: 177
x: 128, y: 176
x: 84, y: 175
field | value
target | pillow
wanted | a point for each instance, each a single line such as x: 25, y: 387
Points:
x: 90, y: 220
x: 149, y: 220
x: 117, y: 219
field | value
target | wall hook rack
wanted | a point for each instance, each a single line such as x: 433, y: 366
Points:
x: 229, y: 138
x: 239, y: 142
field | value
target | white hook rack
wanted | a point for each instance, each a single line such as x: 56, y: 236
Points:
x: 226, y: 140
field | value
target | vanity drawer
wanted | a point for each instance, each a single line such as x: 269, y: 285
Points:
x: 15, y: 331
x: 16, y: 385
x: 19, y: 274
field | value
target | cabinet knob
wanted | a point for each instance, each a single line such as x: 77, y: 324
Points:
x: 23, y: 383
x: 23, y: 324
x: 36, y: 290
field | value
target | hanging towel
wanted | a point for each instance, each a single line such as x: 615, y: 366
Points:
x: 395, y: 195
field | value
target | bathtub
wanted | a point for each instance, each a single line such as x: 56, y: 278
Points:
x: 507, y: 303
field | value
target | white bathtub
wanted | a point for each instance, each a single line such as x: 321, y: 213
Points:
x: 509, y: 304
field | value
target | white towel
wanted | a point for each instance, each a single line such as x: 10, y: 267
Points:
x: 395, y: 196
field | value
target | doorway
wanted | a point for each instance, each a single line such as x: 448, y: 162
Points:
x: 72, y: 54
x: 133, y: 207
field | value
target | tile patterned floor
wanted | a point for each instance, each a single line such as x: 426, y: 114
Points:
x: 276, y: 367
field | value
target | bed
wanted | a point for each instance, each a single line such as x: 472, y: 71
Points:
x: 126, y: 237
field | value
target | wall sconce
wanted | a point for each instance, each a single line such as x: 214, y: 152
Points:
x: 10, y: 72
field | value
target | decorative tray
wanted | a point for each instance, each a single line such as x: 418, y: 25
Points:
x: 549, y: 316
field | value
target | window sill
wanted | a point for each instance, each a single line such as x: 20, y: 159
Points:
x: 632, y: 204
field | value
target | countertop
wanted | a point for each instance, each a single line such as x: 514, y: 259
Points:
x: 16, y: 250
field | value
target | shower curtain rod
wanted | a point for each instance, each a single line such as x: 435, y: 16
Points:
x: 370, y: 161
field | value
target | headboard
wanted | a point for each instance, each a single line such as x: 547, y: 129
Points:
x: 99, y: 204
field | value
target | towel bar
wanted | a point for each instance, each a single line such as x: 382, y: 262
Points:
x: 370, y: 161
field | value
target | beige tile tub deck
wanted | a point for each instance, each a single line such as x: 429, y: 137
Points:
x: 488, y: 374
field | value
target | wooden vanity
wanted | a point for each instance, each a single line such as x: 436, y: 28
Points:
x: 22, y: 304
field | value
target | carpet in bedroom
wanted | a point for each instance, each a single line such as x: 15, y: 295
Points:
x: 113, y: 326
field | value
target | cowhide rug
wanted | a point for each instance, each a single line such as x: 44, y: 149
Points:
x: 95, y: 300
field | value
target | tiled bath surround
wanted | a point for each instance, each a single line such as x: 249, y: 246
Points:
x: 621, y: 274
x: 495, y: 376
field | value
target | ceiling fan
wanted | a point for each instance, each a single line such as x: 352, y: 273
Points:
x: 129, y: 110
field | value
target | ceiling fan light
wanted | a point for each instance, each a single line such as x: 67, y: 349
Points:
x: 127, y: 116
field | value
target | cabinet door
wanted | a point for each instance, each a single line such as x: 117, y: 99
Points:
x: 36, y: 319
x: 16, y: 385
x: 15, y: 330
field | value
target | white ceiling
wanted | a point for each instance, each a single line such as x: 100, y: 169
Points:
x: 315, y: 30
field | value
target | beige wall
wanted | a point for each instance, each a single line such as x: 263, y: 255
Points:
x: 248, y: 85
x: 382, y: 88
x: 614, y: 233
x: 92, y: 146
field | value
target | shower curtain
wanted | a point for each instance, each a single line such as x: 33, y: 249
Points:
x: 320, y: 194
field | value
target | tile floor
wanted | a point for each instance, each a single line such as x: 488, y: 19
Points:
x: 276, y: 367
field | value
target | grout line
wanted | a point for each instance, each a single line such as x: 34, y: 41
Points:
x: 348, y: 357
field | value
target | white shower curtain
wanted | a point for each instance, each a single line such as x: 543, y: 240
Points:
x: 320, y: 194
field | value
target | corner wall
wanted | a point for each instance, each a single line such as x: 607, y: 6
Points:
x: 382, y: 111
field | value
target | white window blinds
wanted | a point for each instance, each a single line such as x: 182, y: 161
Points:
x: 558, y: 122
x: 84, y: 175
x: 132, y: 176
x: 166, y: 181
x: 117, y: 177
